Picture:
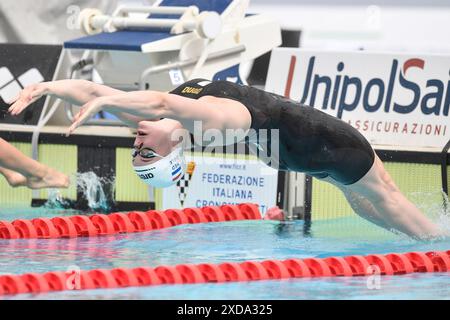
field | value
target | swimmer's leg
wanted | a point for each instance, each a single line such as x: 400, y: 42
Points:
x: 365, y: 209
x: 393, y: 207
x: 37, y: 175
x: 360, y: 205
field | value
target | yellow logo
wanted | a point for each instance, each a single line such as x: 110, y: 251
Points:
x: 192, y: 90
x: 190, y: 168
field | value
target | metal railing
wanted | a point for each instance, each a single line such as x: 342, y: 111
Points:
x: 188, y: 62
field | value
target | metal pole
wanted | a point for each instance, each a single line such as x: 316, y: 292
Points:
x: 158, y: 10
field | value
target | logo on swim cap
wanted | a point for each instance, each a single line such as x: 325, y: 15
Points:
x: 146, y: 176
x: 165, y: 172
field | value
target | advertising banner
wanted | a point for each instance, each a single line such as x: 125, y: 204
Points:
x: 392, y: 99
x: 215, y: 181
x: 22, y: 65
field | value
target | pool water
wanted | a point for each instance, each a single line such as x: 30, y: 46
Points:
x: 226, y: 242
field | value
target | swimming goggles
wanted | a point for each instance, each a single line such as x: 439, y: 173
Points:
x: 145, y: 153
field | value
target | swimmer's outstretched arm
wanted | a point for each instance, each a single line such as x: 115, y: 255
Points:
x: 74, y: 91
x: 134, y: 107
x: 214, y: 113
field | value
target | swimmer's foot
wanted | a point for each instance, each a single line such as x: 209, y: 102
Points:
x: 50, y: 179
x: 14, y: 179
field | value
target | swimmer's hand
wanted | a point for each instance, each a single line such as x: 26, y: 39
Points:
x: 86, y: 112
x: 145, y: 105
x: 73, y: 91
x: 27, y: 97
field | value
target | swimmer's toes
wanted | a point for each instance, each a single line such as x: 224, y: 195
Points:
x: 57, y: 180
x: 66, y: 182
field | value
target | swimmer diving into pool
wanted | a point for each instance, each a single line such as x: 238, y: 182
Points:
x: 20, y: 170
x: 310, y: 140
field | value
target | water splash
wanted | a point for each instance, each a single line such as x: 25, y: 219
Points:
x: 435, y: 205
x: 55, y: 200
x: 91, y: 187
x: 443, y: 218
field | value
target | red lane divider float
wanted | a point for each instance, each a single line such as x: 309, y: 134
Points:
x: 114, y: 223
x: 390, y: 264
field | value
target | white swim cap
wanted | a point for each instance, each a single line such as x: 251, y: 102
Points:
x: 165, y: 172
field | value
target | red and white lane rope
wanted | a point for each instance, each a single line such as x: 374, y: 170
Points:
x: 389, y: 264
x: 100, y: 224
x: 114, y: 223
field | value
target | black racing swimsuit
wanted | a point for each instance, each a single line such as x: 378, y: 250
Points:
x: 310, y: 140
